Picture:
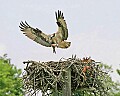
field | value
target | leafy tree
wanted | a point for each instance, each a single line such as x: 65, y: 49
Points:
x: 10, y: 81
x: 118, y: 94
x: 118, y: 71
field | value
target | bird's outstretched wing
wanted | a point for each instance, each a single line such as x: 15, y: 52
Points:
x: 35, y: 34
x: 62, y: 26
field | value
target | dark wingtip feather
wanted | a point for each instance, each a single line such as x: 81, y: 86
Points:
x: 62, y: 14
x: 56, y: 15
x: 24, y: 25
x: 21, y: 24
x: 21, y: 27
x: 59, y: 14
x: 27, y: 24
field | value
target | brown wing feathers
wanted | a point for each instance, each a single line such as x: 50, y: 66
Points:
x: 59, y: 15
x: 62, y: 24
x: 23, y: 26
x: 34, y: 34
x: 27, y: 30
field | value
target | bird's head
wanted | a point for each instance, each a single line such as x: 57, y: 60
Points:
x: 64, y: 44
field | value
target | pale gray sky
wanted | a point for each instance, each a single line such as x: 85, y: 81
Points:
x: 94, y: 29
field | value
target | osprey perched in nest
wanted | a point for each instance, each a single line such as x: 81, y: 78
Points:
x: 54, y: 40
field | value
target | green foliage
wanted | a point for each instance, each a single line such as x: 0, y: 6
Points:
x: 118, y: 71
x: 10, y: 81
x: 117, y: 94
x: 83, y: 93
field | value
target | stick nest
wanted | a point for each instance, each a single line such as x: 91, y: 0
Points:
x: 44, y: 76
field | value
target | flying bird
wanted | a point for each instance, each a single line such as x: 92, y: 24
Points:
x: 55, y: 40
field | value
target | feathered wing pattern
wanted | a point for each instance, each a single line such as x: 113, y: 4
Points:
x: 62, y: 26
x: 54, y: 40
x: 35, y: 34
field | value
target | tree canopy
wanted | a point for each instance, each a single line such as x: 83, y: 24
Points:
x: 118, y: 93
x: 10, y: 81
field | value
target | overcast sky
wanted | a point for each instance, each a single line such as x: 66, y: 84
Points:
x: 94, y: 29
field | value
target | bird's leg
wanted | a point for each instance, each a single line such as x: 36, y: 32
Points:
x: 54, y: 45
x: 54, y: 49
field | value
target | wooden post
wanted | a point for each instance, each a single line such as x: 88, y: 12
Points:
x: 55, y: 91
x: 43, y: 94
x: 67, y: 84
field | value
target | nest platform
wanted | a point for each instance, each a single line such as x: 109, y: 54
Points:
x: 49, y: 76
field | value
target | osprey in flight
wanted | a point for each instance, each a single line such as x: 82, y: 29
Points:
x: 55, y: 40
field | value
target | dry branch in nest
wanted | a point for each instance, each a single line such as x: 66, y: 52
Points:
x: 45, y: 76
